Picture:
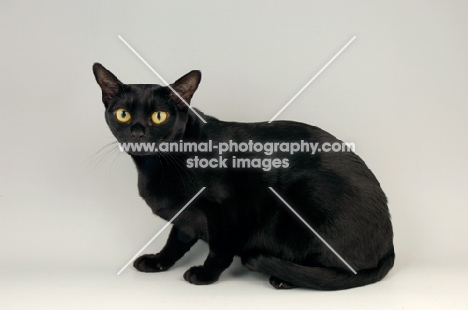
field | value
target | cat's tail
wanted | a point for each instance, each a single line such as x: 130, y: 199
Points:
x: 319, y: 278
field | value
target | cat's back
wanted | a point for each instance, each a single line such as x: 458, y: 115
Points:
x: 278, y: 131
x: 323, y: 161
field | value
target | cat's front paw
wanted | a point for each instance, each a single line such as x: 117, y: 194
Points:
x: 200, y: 276
x: 150, y: 263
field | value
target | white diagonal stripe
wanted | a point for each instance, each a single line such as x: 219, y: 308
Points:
x: 313, y: 230
x: 160, y: 231
x: 311, y: 80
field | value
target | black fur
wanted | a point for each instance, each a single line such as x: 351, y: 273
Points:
x: 237, y: 214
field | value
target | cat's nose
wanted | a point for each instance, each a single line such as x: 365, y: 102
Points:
x: 138, y: 132
x: 137, y: 136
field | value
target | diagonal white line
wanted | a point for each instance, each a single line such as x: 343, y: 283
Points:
x: 311, y: 80
x: 313, y: 230
x: 161, y: 78
x: 160, y: 231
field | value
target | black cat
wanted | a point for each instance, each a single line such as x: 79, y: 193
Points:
x: 237, y: 214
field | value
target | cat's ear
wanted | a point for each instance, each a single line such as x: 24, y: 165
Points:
x: 109, y: 83
x: 185, y: 87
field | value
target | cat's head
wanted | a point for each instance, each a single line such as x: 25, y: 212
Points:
x: 146, y: 113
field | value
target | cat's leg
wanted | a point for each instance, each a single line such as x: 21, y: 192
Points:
x: 176, y: 246
x: 216, y: 262
x: 224, y: 241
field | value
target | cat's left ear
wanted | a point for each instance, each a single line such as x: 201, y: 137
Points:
x: 186, y: 87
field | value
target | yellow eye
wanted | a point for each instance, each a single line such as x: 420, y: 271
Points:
x: 159, y: 117
x: 122, y: 115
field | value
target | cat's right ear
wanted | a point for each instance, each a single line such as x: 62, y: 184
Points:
x: 109, y: 83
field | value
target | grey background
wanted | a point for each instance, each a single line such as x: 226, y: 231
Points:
x: 71, y: 218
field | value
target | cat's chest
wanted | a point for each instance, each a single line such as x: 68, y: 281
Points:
x: 191, y: 220
x: 158, y: 190
x: 167, y: 202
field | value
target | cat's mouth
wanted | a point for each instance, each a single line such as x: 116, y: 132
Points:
x: 136, y: 151
x: 141, y: 148
x: 142, y: 153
